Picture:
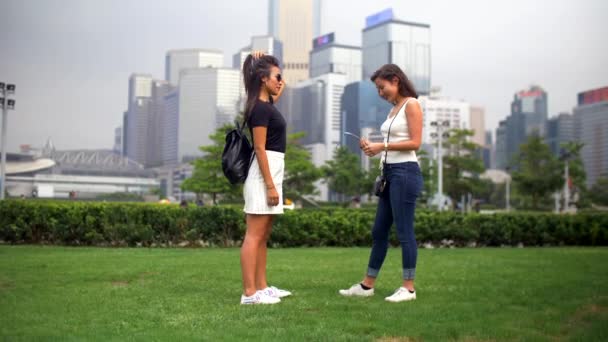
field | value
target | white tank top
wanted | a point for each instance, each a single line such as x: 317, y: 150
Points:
x: 399, y: 132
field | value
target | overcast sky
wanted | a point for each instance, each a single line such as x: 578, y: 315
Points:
x: 71, y: 59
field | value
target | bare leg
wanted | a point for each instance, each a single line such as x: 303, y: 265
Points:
x: 256, y: 231
x: 260, y: 268
x: 409, y: 284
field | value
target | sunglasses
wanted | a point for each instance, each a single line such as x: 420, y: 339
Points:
x: 278, y: 77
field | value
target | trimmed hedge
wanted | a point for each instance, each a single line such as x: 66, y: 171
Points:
x: 130, y: 224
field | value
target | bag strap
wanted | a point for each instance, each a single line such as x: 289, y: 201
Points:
x: 388, y: 136
x: 240, y: 129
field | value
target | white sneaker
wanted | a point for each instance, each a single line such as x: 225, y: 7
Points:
x: 273, y: 291
x: 358, y: 291
x: 401, y: 295
x: 259, y: 298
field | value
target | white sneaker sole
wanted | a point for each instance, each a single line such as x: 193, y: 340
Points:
x: 399, y: 300
x: 348, y: 294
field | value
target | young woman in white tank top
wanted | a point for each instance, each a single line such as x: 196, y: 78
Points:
x: 402, y: 133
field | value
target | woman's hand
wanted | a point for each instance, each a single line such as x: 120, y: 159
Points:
x: 363, y: 143
x: 272, y: 197
x: 371, y: 149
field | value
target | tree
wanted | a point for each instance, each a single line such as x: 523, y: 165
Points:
x: 208, y: 177
x: 599, y: 191
x: 300, y: 172
x: 462, y: 166
x: 344, y: 174
x: 537, y: 171
x: 428, y: 170
x: 370, y: 176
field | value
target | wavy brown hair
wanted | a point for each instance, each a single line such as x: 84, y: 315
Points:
x: 391, y: 71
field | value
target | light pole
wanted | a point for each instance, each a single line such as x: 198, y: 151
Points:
x: 6, y: 104
x: 565, y: 156
x: 440, y: 134
x: 508, y: 191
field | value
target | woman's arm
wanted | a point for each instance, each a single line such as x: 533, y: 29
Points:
x: 414, y: 123
x: 259, y: 146
x: 276, y: 97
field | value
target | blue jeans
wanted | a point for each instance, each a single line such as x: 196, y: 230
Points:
x: 397, y: 204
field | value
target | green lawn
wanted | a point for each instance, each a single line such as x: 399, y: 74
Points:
x: 193, y: 294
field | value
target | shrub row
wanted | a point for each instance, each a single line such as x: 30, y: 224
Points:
x: 130, y: 224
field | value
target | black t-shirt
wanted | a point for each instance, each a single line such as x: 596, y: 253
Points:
x: 265, y: 114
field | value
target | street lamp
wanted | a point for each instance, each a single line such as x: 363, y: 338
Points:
x: 508, y: 190
x: 565, y: 156
x: 6, y: 104
x: 440, y: 126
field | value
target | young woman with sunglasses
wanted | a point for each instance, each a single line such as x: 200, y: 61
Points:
x: 263, y: 187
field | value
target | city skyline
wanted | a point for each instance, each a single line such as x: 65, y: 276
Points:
x: 71, y: 63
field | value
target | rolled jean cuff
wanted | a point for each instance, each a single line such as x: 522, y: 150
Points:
x: 371, y: 272
x: 409, y: 273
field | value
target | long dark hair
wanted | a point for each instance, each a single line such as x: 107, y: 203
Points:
x: 253, y: 72
x: 389, y: 72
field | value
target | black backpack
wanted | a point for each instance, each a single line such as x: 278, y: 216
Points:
x: 237, y: 155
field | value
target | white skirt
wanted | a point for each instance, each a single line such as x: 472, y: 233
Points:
x: 254, y: 190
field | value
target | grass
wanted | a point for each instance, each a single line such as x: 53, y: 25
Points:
x: 545, y: 294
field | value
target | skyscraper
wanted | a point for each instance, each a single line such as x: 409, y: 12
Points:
x: 407, y: 44
x: 291, y: 21
x: 528, y: 116
x: 313, y: 107
x: 329, y: 57
x: 178, y: 60
x: 559, y: 130
x: 160, y: 89
x: 266, y: 44
x: 532, y: 103
x: 138, y: 116
x: 207, y: 98
x: 478, y: 126
x: 363, y: 113
x: 441, y: 108
x: 118, y: 140
x: 591, y: 129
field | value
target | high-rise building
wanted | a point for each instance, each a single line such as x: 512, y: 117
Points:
x: 313, y: 107
x: 125, y: 130
x: 170, y: 138
x: 559, y: 130
x: 266, y: 44
x: 140, y: 85
x: 142, y: 125
x: 407, y: 44
x: 206, y: 99
x: 363, y: 112
x: 478, y: 126
x: 117, y: 140
x: 440, y: 109
x: 138, y: 116
x: 500, y: 147
x: 591, y: 129
x: 532, y: 103
x: 528, y: 116
x: 328, y: 57
x: 488, y: 151
x: 178, y: 60
x: 291, y: 21
x: 160, y: 89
